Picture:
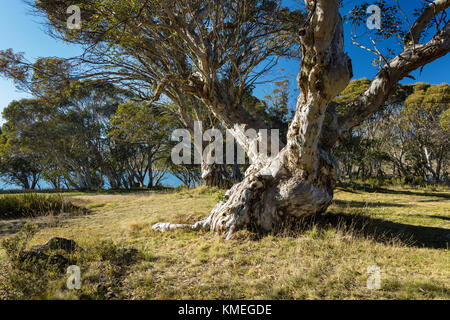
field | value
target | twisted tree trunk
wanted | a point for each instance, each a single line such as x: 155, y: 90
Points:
x: 300, y: 180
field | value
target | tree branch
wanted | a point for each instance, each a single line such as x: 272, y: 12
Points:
x: 429, y: 13
x: 386, y: 80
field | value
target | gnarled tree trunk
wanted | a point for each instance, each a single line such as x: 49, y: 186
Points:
x: 300, y: 180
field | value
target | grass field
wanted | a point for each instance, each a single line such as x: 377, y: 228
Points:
x: 403, y: 231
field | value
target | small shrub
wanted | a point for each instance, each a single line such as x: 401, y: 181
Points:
x: 33, y: 205
x: 24, y: 276
x: 33, y: 274
x: 16, y: 245
x: 419, y: 181
x: 105, y: 264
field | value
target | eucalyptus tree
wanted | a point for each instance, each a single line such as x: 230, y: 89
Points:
x: 301, y: 179
x: 145, y: 133
x: 407, y: 135
x: 68, y: 136
x: 196, y: 53
x: 423, y: 110
x: 18, y: 166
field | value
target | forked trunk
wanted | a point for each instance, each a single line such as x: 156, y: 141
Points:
x: 300, y: 180
x: 272, y: 197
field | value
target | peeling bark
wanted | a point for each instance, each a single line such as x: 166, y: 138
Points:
x: 300, y: 180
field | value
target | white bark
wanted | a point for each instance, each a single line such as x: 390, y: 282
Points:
x: 301, y: 179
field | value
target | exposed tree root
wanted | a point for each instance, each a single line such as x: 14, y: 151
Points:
x: 267, y: 199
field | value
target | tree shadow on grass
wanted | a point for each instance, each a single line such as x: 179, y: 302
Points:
x: 440, y: 217
x: 379, y: 230
x: 429, y: 290
x: 12, y: 226
x: 351, y: 187
x: 369, y: 204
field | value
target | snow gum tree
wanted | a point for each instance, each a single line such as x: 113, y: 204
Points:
x: 301, y: 179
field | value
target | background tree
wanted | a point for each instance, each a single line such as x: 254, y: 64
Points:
x: 70, y: 135
x: 145, y: 135
x: 399, y: 137
x: 423, y: 109
x: 278, y: 113
x: 18, y: 167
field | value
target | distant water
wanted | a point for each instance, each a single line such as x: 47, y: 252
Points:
x: 4, y: 186
x: 170, y: 181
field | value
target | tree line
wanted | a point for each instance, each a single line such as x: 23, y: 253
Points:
x: 98, y: 136
x: 94, y: 135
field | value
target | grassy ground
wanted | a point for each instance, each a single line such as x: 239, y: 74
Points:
x: 403, y: 231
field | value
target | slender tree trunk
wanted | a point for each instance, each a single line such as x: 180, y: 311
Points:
x: 150, y: 178
x: 35, y: 180
x: 236, y: 175
x: 26, y: 184
x: 214, y: 175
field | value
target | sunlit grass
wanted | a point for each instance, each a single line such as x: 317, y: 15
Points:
x: 403, y: 231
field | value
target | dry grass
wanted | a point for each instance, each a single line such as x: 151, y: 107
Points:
x: 403, y: 231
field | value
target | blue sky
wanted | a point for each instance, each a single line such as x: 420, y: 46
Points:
x: 23, y: 32
x: 436, y: 72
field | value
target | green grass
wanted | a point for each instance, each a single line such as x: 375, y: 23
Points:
x: 404, y: 231
x: 32, y: 205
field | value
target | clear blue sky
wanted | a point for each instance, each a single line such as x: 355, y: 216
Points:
x: 23, y: 32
